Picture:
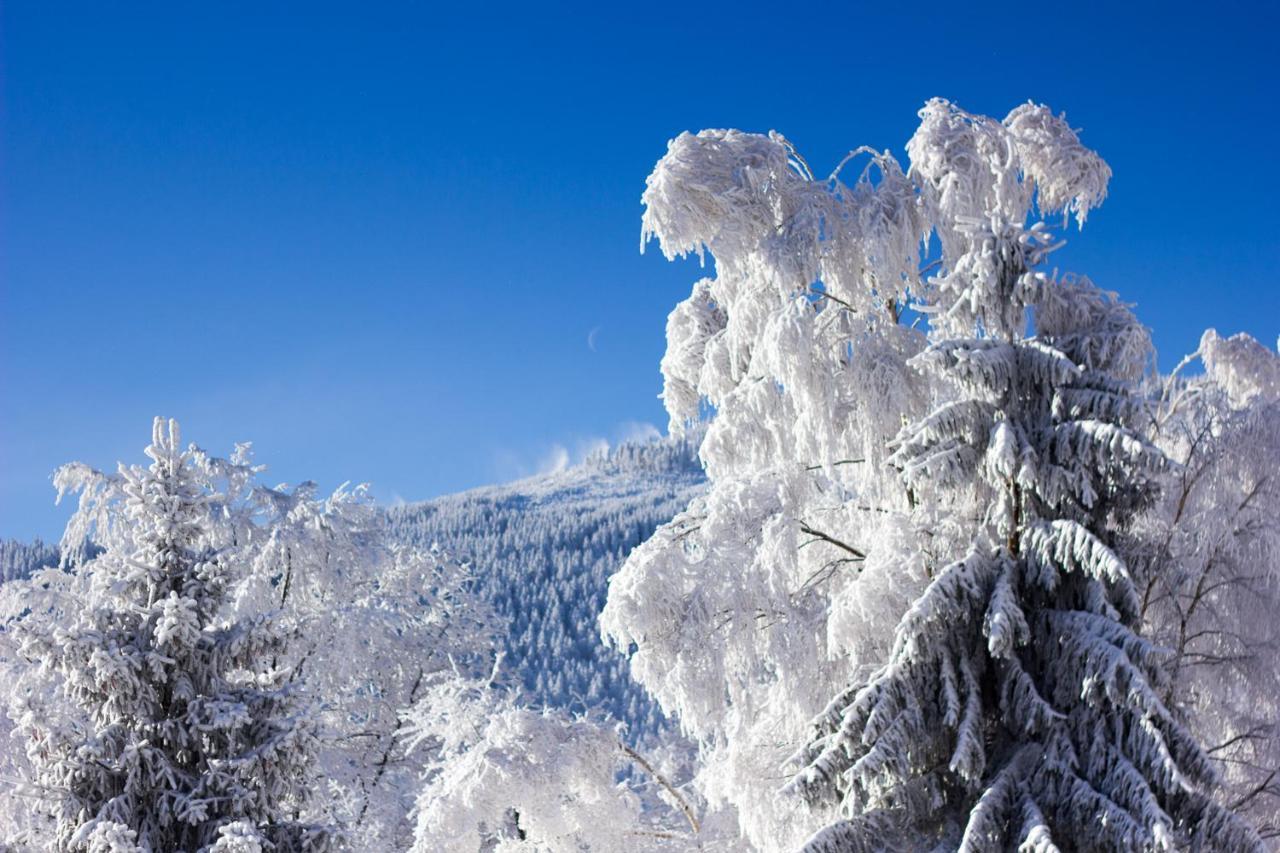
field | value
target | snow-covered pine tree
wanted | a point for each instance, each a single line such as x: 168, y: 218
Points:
x: 178, y: 733
x: 1019, y: 707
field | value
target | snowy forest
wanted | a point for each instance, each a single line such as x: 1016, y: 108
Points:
x: 933, y: 558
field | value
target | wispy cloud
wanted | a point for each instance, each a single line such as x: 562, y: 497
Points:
x: 637, y: 431
x: 561, y: 455
x: 555, y: 460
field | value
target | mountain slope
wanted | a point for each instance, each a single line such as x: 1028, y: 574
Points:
x: 20, y: 559
x: 544, y: 549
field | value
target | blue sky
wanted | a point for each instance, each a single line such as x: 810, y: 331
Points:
x: 376, y: 238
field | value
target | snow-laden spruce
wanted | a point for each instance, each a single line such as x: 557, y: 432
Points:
x: 181, y: 732
x: 360, y: 624
x: 1019, y: 705
x: 941, y: 513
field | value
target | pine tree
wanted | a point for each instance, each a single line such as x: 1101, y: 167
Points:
x: 177, y: 732
x: 1019, y: 707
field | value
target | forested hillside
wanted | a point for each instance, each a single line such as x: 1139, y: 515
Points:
x: 544, y: 548
x: 19, y: 559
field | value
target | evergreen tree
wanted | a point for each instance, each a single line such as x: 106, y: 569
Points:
x: 179, y: 732
x: 1019, y: 706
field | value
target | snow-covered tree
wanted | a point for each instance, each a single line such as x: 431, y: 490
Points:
x: 376, y: 619
x: 727, y: 608
x: 1209, y: 565
x: 508, y: 778
x: 172, y: 727
x: 940, y: 511
x: 368, y: 621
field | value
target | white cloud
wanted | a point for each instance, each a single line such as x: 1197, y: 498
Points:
x: 637, y: 431
x: 555, y: 460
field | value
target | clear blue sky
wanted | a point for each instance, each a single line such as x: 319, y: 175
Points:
x: 375, y: 238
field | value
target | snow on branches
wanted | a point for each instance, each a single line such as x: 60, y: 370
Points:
x: 1062, y: 673
x: 508, y: 778
x: 1207, y: 565
x: 232, y: 664
x: 183, y: 732
x: 978, y: 480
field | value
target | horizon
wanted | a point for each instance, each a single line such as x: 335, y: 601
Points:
x: 369, y: 249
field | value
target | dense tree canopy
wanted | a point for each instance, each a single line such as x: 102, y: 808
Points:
x: 932, y: 466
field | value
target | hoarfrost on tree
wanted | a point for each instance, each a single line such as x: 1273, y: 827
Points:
x: 360, y: 623
x: 176, y: 722
x: 805, y: 367
x: 375, y: 620
x: 1218, y: 528
x: 504, y: 777
x: 961, y: 489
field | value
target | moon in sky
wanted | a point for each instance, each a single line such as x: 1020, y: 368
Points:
x: 591, y: 339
